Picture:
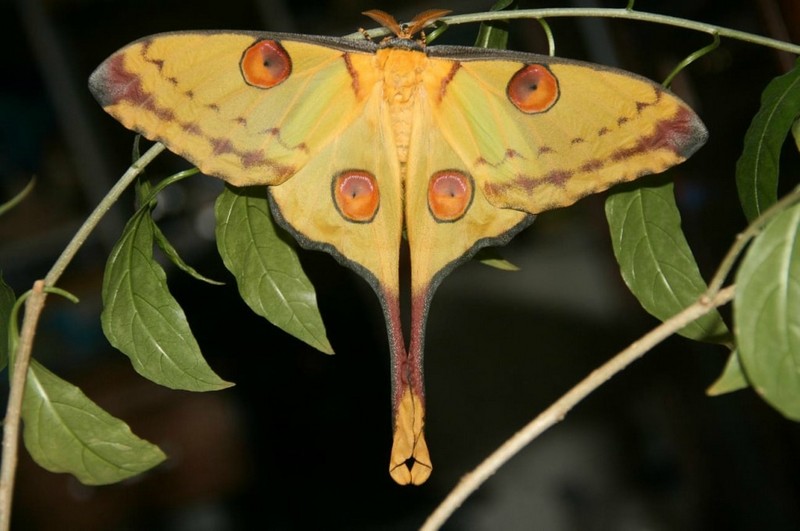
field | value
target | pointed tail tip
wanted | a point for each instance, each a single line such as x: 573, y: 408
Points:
x: 410, y: 462
x: 410, y: 472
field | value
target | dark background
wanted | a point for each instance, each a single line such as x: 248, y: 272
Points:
x: 302, y: 440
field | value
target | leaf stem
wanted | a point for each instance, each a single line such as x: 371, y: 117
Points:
x: 559, y: 409
x: 152, y: 194
x: 33, y: 309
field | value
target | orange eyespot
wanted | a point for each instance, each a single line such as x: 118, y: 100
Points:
x: 533, y: 89
x: 265, y: 64
x: 356, y: 195
x: 449, y: 195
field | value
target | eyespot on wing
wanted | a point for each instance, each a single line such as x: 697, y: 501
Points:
x: 266, y: 64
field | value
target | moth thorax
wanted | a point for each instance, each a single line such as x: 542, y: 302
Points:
x: 401, y: 130
x: 402, y: 79
x: 402, y: 111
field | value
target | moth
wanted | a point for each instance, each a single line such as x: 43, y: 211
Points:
x: 361, y: 144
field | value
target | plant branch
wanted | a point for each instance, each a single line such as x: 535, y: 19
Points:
x: 628, y: 14
x: 33, y: 308
x: 558, y: 410
x: 744, y: 237
x: 713, y: 297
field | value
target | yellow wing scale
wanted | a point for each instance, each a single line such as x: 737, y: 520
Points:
x: 606, y: 127
x: 435, y: 244
x: 305, y: 203
x: 188, y: 93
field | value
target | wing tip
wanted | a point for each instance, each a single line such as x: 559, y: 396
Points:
x: 112, y: 83
x: 687, y: 133
x: 100, y: 84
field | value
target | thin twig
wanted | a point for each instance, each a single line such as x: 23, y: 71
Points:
x: 628, y: 14
x: 556, y: 412
x: 33, y: 308
x: 94, y: 218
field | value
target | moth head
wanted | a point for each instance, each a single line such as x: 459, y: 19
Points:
x: 406, y: 31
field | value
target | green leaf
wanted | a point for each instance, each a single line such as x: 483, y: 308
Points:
x: 489, y: 256
x: 655, y: 259
x: 142, y: 319
x: 65, y: 431
x: 494, y: 34
x: 796, y: 134
x: 165, y: 245
x: 269, y: 275
x: 767, y: 313
x: 731, y: 379
x: 7, y: 300
x: 757, y: 168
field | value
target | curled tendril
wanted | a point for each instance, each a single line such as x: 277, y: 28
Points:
x: 551, y: 43
x: 692, y: 58
x: 440, y: 28
x: 13, y: 328
x: 14, y: 201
